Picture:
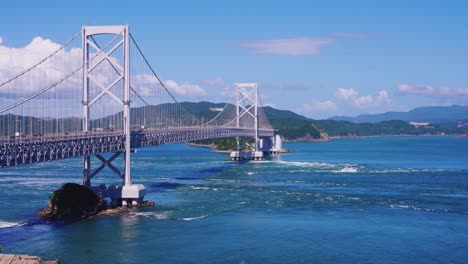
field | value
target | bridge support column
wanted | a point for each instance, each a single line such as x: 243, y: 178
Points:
x: 131, y: 193
x: 128, y: 193
x: 87, y: 171
x: 247, y: 110
x: 277, y: 143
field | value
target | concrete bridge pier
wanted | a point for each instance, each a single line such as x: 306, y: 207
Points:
x: 271, y: 145
x: 125, y: 195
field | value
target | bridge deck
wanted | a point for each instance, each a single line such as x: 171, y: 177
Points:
x: 17, y: 151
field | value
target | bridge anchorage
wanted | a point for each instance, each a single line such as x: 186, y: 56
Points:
x: 100, y: 100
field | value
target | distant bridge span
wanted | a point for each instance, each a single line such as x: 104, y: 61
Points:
x: 25, y: 151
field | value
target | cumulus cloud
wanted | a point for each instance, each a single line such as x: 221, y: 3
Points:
x: 1, y: 40
x: 346, y: 94
x: 363, y: 101
x: 352, y: 97
x: 184, y: 88
x: 145, y: 84
x: 14, y: 61
x: 427, y: 90
x: 293, y: 46
x: 382, y: 98
x: 415, y: 90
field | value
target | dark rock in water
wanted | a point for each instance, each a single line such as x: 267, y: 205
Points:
x: 71, y: 202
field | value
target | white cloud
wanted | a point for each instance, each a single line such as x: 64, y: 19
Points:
x: 1, y: 40
x: 346, y: 94
x: 363, y: 101
x: 145, y: 84
x: 294, y: 46
x: 184, y: 88
x: 382, y: 98
x: 14, y: 61
x: 62, y: 100
x: 352, y: 97
x: 427, y: 90
x: 319, y: 106
x: 415, y: 90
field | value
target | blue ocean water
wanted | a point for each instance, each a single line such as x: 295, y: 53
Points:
x: 366, y: 200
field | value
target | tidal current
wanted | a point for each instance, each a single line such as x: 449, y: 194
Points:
x: 367, y: 200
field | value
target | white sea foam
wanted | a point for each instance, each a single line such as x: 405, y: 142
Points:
x: 400, y: 206
x: 408, y: 170
x: 142, y: 214
x: 6, y: 224
x: 307, y: 164
x: 160, y: 215
x: 347, y: 170
x: 192, y: 218
x: 165, y: 216
x: 199, y: 188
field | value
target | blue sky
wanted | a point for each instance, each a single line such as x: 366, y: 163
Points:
x: 317, y: 58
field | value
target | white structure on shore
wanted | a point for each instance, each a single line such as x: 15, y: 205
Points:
x: 418, y: 124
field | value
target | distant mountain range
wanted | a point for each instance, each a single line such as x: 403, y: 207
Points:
x: 432, y: 114
x: 444, y: 120
x: 297, y: 127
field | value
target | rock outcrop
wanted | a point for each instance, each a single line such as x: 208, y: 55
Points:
x: 72, y: 202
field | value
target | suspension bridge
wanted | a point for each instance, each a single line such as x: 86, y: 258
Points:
x: 97, y: 94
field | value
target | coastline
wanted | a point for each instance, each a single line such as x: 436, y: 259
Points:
x: 210, y: 146
x: 213, y: 148
x: 327, y: 138
x: 370, y: 136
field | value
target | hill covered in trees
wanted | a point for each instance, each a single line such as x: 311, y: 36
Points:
x: 293, y: 126
x: 433, y: 114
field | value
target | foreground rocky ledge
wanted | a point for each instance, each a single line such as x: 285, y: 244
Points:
x: 24, y: 259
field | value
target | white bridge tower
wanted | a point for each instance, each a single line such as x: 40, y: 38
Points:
x: 94, y: 57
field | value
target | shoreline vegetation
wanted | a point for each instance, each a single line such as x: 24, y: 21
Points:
x: 221, y: 148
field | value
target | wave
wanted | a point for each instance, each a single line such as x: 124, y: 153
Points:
x: 6, y: 224
x: 416, y: 208
x: 191, y: 218
x: 166, y: 216
x: 318, y: 167
x: 324, y: 166
x: 347, y: 170
x: 411, y: 170
x: 312, y: 164
x: 199, y: 188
